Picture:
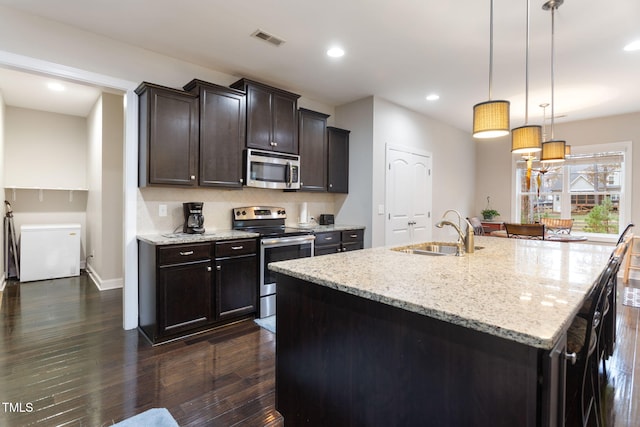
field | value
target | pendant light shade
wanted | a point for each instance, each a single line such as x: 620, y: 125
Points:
x: 553, y: 151
x: 526, y: 139
x: 491, y: 119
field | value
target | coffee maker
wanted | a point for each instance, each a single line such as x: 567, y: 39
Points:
x: 193, y: 218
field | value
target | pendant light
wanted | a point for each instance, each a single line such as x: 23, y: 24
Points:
x: 526, y: 139
x: 491, y: 118
x: 552, y: 150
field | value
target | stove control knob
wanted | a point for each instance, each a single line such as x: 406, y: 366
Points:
x: 237, y: 213
x: 244, y: 213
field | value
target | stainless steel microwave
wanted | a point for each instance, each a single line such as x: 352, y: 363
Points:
x: 269, y: 169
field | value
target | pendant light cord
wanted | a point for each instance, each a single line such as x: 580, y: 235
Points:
x: 553, y: 10
x: 526, y: 73
x: 491, y: 51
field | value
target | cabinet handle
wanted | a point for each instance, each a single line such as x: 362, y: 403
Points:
x: 328, y: 238
x: 571, y: 357
x: 330, y: 185
x: 353, y: 236
x: 218, y: 267
x: 208, y: 268
x: 237, y: 248
x: 241, y: 180
x: 186, y: 253
x: 193, y: 177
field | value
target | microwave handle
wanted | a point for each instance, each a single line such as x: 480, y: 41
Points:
x: 288, y: 175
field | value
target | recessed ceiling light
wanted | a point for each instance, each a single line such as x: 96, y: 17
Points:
x: 335, y: 52
x: 433, y: 97
x: 632, y: 46
x: 58, y: 87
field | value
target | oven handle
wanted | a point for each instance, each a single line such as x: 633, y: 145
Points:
x: 287, y: 241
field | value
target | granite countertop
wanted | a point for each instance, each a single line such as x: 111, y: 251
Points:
x: 207, y: 236
x: 522, y: 290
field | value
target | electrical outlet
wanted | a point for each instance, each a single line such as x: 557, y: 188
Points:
x: 162, y: 210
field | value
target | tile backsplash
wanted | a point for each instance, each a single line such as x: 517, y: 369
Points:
x: 218, y: 205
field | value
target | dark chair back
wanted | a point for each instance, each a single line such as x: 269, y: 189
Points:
x: 525, y: 231
x: 626, y: 230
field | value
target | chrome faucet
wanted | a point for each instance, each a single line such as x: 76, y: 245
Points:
x: 465, y: 239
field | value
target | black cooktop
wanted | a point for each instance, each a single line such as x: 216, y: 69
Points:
x: 275, y: 231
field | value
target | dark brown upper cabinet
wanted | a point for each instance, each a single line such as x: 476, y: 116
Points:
x: 338, y: 164
x: 271, y: 117
x: 221, y: 135
x: 168, y: 136
x: 312, y: 132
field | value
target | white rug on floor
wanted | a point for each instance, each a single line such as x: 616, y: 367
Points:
x: 269, y: 323
x: 631, y: 297
x: 156, y: 417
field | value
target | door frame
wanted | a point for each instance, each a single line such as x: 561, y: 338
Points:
x: 387, y: 190
x: 130, y: 249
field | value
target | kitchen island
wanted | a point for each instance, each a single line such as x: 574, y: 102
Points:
x: 381, y: 337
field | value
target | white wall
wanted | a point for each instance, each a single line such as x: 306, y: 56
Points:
x: 105, y: 202
x: 44, y: 150
x: 380, y: 122
x: 356, y: 207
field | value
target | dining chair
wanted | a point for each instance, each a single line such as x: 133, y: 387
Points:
x: 478, y: 228
x: 525, y: 231
x: 557, y: 225
x: 582, y: 339
x: 625, y: 231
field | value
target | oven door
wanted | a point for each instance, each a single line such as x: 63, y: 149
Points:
x: 279, y: 249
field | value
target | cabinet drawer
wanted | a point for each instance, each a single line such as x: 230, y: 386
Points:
x: 352, y: 236
x: 176, y: 254
x: 329, y: 238
x: 235, y: 248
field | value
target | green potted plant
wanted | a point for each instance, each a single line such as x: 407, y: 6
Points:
x: 489, y: 214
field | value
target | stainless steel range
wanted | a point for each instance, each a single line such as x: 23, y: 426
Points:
x: 277, y: 243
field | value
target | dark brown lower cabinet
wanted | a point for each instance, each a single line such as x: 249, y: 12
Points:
x: 344, y: 360
x: 179, y: 294
x: 331, y: 242
x: 236, y: 278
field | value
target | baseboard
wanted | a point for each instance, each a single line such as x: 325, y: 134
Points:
x: 3, y: 282
x: 101, y: 284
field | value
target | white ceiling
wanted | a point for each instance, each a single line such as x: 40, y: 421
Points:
x: 399, y: 50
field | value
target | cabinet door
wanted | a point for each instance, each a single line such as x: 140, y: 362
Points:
x: 184, y: 300
x: 338, y: 162
x: 313, y: 150
x: 236, y: 286
x: 259, y: 118
x: 168, y: 137
x: 352, y: 240
x: 285, y: 124
x: 222, y: 127
x: 327, y: 243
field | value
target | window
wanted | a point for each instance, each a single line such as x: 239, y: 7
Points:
x: 590, y: 187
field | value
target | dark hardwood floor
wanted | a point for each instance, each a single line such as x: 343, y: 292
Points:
x: 66, y: 361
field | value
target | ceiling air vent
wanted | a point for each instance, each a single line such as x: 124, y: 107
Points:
x: 263, y: 35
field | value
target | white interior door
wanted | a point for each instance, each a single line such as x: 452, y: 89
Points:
x: 408, y: 196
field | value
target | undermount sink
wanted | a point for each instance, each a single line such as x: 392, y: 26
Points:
x: 431, y: 248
